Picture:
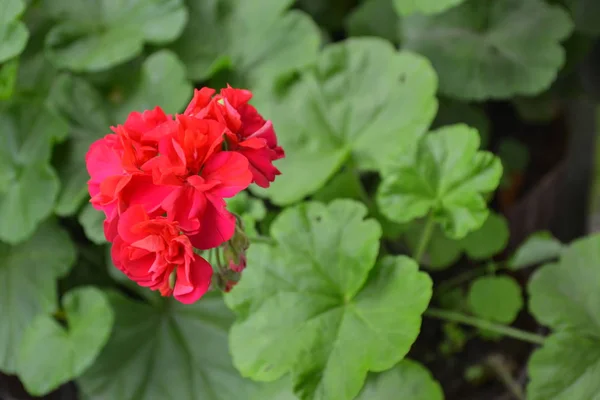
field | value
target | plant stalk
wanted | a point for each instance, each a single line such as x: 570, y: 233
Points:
x: 425, y: 238
x: 483, y: 324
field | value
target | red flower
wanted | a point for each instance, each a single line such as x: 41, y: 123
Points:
x: 200, y: 176
x: 250, y: 134
x: 150, y: 250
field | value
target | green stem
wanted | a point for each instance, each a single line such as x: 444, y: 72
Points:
x: 483, y: 324
x: 425, y: 238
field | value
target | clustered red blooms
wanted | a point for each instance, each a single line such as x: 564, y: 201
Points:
x: 161, y: 181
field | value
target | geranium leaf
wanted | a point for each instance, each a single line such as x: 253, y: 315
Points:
x: 488, y: 240
x: 28, y: 274
x: 448, y: 178
x: 407, y: 380
x: 50, y: 354
x: 374, y: 18
x: 538, y: 248
x: 161, y: 82
x: 496, y: 298
x: 88, y: 121
x: 101, y: 34
x: 407, y: 7
x: 258, y: 39
x: 585, y: 14
x: 317, y: 306
x: 483, y: 243
x: 28, y: 184
x: 8, y: 78
x: 492, y: 49
x: 13, y: 33
x: 363, y: 101
x: 168, y: 351
x: 92, y: 222
x: 564, y: 296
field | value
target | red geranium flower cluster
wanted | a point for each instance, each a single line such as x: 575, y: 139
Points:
x: 161, y: 182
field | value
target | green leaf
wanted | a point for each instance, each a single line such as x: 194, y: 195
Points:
x: 374, y: 18
x: 96, y: 36
x: 28, y: 184
x: 488, y: 240
x: 317, y: 306
x: 441, y: 252
x: 565, y: 368
x: 50, y: 354
x: 162, y: 82
x: 363, y: 101
x: 449, y: 178
x: 92, y: 222
x: 168, y: 351
x: 84, y: 107
x: 538, y: 248
x: 453, y: 112
x: 492, y: 49
x: 28, y: 274
x: 496, y: 298
x: 8, y: 78
x: 258, y: 39
x: 585, y: 14
x: 407, y: 7
x: 407, y: 380
x: 13, y: 33
x: 564, y: 296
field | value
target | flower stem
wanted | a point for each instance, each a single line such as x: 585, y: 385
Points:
x: 425, y: 237
x: 483, y: 324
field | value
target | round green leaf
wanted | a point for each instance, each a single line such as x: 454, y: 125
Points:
x: 492, y: 49
x: 363, y: 100
x: 84, y: 107
x: 92, y: 221
x: 564, y: 296
x: 162, y: 82
x: 316, y: 305
x: 98, y: 35
x: 13, y: 33
x: 406, y: 7
x: 441, y: 252
x: 259, y: 40
x: 481, y: 244
x: 168, y: 351
x: 449, y: 178
x: 565, y: 368
x: 374, y: 18
x: 28, y: 274
x: 538, y: 248
x: 407, y: 380
x: 497, y: 298
x: 488, y: 240
x: 28, y: 184
x: 50, y: 355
